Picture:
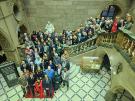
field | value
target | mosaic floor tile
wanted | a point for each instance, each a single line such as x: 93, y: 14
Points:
x: 84, y: 79
x: 93, y: 94
x: 14, y: 98
x: 18, y: 88
x: 70, y: 93
x: 80, y: 83
x: 86, y: 88
x: 7, y: 89
x: 1, y: 91
x: 94, y: 79
x: 63, y: 98
x: 101, y: 84
x: 76, y: 98
x: 82, y: 87
x: 75, y: 80
x: 75, y: 88
x: 3, y: 97
x: 91, y: 83
x: 100, y: 98
x: 103, y: 92
x: 81, y: 93
x: 105, y: 79
x: 4, y: 84
x: 107, y: 87
x: 59, y: 93
x: 97, y: 88
x: 11, y: 93
x: 87, y: 98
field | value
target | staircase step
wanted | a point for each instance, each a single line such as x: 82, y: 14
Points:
x: 72, y: 69
x: 73, y: 74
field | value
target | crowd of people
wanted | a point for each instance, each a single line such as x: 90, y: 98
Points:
x: 46, y: 66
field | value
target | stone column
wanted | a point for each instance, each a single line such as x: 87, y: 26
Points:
x: 12, y: 55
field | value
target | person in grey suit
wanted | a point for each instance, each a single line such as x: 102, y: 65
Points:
x: 65, y: 78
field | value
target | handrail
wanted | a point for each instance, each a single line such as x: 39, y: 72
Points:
x: 123, y: 41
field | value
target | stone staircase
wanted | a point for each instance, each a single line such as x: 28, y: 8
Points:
x: 74, y: 70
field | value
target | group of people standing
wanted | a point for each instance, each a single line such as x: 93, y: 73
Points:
x: 46, y: 66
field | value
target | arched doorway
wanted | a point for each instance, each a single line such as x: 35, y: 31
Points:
x: 4, y: 45
x: 111, y: 11
x: 3, y: 57
x: 21, y: 30
x: 106, y: 62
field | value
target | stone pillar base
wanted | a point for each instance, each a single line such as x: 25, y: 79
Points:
x: 12, y: 55
x: 110, y: 96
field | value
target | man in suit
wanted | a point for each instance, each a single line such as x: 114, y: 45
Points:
x: 65, y: 78
x: 47, y: 86
x: 31, y: 82
x: 22, y: 80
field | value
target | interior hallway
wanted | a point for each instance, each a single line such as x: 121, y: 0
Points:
x: 83, y: 87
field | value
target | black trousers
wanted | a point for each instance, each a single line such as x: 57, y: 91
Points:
x: 65, y: 82
x: 31, y: 89
x: 24, y: 90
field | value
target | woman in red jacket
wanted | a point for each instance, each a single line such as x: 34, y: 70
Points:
x: 39, y: 89
x: 114, y: 26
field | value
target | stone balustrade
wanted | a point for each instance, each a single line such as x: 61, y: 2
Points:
x: 81, y: 47
x: 123, y: 41
x: 125, y: 44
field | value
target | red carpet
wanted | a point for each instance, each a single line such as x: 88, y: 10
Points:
x: 37, y: 95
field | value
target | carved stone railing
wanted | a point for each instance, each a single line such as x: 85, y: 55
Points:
x: 102, y: 39
x: 81, y: 47
x: 106, y: 39
x: 125, y: 44
x: 123, y: 41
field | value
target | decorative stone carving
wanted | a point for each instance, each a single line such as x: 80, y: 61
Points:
x: 130, y: 50
x: 49, y: 28
x: 116, y: 68
x: 128, y: 45
x: 124, y: 41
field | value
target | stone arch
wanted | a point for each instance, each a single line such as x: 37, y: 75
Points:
x: 8, y: 47
x: 5, y: 44
x: 112, y: 93
x: 4, y: 41
x: 118, y: 9
x: 111, y: 10
x: 125, y: 5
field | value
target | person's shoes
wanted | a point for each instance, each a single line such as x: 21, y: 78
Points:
x: 23, y: 95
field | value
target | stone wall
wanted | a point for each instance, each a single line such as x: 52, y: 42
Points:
x: 62, y: 13
x: 9, y: 23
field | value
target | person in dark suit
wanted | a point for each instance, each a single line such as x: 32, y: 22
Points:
x: 31, y: 82
x: 3, y: 57
x: 47, y: 86
x: 23, y: 66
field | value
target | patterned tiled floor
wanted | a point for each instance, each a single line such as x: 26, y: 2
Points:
x: 83, y: 87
